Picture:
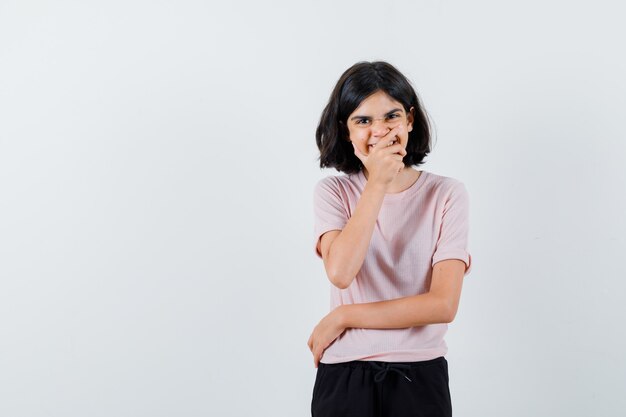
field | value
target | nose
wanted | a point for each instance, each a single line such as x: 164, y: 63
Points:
x: 380, y: 127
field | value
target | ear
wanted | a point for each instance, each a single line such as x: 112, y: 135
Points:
x: 410, y: 118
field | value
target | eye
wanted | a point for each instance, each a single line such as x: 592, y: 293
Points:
x: 395, y: 114
x: 358, y: 122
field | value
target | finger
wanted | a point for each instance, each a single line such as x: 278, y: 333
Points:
x: 388, y: 138
x: 395, y: 149
x: 398, y: 148
x: 392, y: 134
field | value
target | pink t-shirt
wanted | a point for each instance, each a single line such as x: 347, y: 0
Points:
x: 424, y: 224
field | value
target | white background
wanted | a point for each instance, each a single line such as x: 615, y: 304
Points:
x: 157, y: 163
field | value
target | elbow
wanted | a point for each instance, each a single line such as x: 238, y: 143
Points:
x: 338, y: 278
x: 342, y: 285
x: 339, y: 282
x: 449, y: 313
x: 449, y: 317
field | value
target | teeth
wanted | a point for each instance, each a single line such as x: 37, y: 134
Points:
x: 392, y: 143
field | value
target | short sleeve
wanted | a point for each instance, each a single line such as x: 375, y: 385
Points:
x: 328, y: 208
x: 452, y: 242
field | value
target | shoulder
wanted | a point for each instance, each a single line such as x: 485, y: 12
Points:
x: 336, y: 184
x: 325, y: 182
x: 445, y: 186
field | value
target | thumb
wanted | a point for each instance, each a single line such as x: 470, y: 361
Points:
x: 358, y: 153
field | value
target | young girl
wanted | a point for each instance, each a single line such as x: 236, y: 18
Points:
x: 394, y: 242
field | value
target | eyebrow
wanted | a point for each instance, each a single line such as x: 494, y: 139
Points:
x: 368, y: 117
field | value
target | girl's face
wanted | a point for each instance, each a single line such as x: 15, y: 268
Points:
x: 375, y: 116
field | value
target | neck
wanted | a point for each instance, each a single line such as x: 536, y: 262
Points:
x: 403, y: 180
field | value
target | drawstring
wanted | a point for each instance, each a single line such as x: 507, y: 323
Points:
x: 380, y: 375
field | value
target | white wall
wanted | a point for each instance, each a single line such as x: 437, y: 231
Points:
x: 157, y: 162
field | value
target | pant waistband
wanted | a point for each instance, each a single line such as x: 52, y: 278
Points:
x: 383, y: 368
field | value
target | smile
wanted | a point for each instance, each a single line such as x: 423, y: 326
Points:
x: 392, y: 143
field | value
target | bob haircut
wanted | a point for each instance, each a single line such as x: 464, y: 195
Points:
x: 355, y: 84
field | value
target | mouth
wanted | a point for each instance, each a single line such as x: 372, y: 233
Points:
x: 372, y: 144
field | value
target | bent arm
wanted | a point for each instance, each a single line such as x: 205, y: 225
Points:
x: 348, y: 249
x: 438, y: 305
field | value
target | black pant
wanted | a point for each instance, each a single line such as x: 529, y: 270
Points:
x: 382, y: 389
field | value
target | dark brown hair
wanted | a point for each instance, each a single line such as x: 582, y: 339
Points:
x: 357, y: 83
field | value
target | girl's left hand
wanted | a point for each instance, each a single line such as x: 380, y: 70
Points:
x: 326, y: 331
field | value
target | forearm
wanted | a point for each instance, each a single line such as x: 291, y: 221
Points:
x: 347, y: 252
x: 415, y: 310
